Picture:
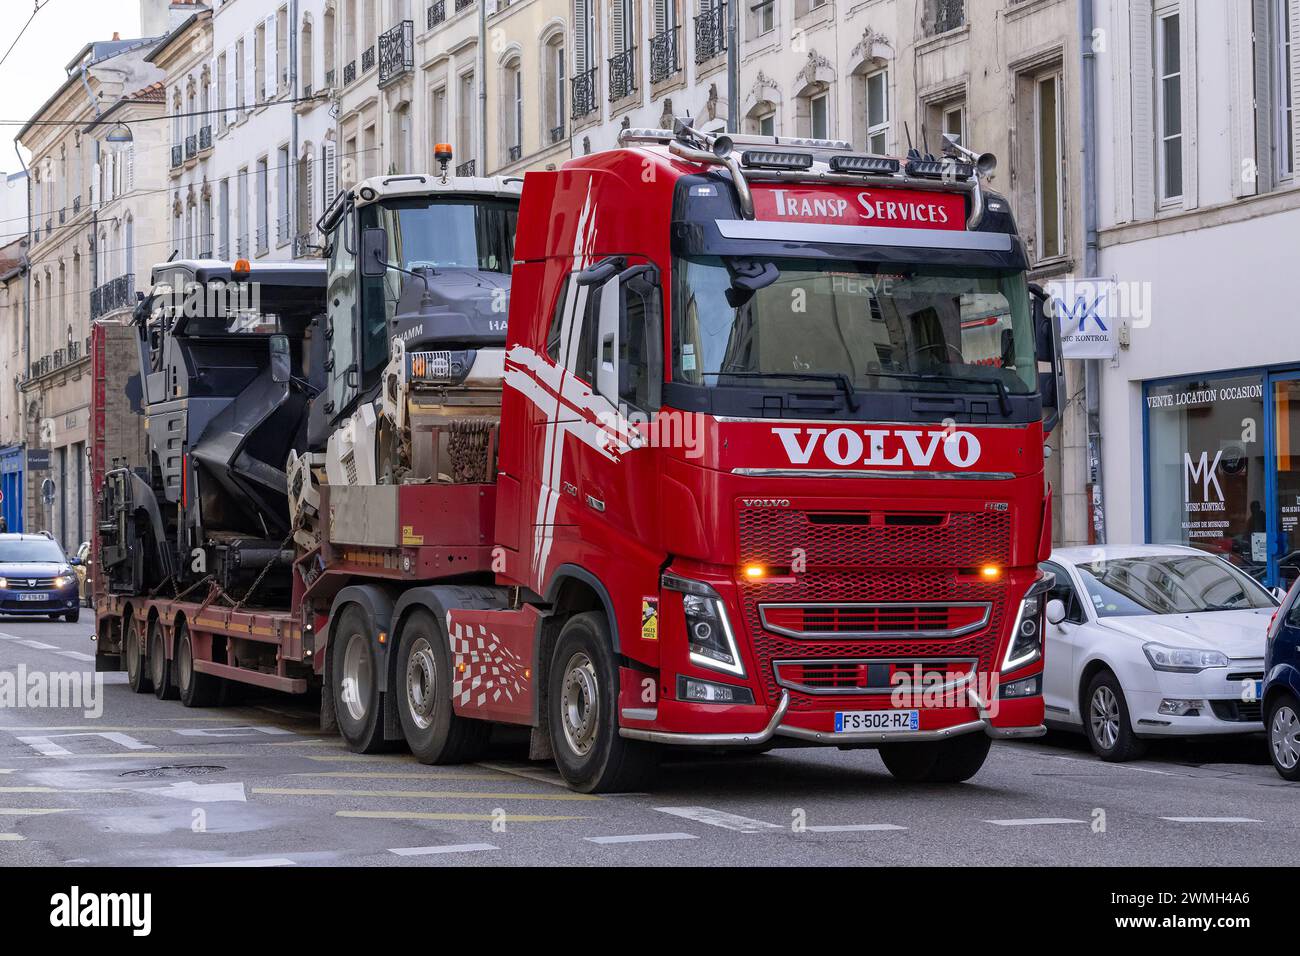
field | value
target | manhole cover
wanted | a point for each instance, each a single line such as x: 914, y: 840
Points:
x: 179, y: 771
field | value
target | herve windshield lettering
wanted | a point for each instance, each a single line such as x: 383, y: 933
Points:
x: 899, y: 208
x: 879, y: 447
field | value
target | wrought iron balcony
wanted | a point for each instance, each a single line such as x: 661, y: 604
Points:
x: 437, y: 13
x: 466, y: 168
x: 205, y: 137
x: 622, y: 75
x: 349, y: 72
x: 462, y: 4
x: 178, y: 156
x: 367, y: 59
x: 114, y: 294
x: 191, y: 146
x: 557, y: 133
x: 396, y: 52
x: 329, y: 79
x: 76, y: 205
x: 516, y: 152
x: 711, y: 33
x: 943, y: 15
x: 261, y: 239
x: 74, y: 351
x: 663, y: 56
x: 584, y: 94
x: 63, y: 216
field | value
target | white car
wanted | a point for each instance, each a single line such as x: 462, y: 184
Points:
x: 1147, y: 641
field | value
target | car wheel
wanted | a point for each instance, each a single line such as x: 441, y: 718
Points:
x: 1284, y: 736
x: 72, y: 616
x: 1106, y: 721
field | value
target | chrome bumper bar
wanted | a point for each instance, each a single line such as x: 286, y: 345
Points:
x: 775, y: 728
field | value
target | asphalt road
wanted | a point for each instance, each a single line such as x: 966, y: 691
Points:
x: 152, y: 783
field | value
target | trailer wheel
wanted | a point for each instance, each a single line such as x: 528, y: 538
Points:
x: 137, y: 677
x: 160, y: 669
x: 196, y: 689
x: 582, y: 702
x: 433, y: 730
x: 357, y: 700
x: 937, y: 761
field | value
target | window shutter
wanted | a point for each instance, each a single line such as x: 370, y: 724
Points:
x: 306, y: 200
x: 130, y: 167
x: 229, y: 80
x: 250, y: 70
x: 616, y: 28
x: 1241, y: 98
x: 331, y: 174
x: 583, y: 37
x: 1293, y: 72
x: 268, y: 59
x: 661, y: 16
x: 1187, y: 64
x: 1144, y: 144
x: 1262, y: 131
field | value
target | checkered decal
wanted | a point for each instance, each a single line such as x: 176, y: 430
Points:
x: 482, y: 665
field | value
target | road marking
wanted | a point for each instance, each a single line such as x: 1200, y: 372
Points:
x: 422, y: 794
x: 1212, y: 819
x: 398, y: 775
x: 855, y: 828
x: 77, y: 655
x: 46, y: 747
x: 200, y: 792
x: 364, y: 758
x: 11, y: 837
x: 641, y: 838
x: 452, y: 848
x: 720, y: 818
x: 479, y: 817
x: 31, y: 811
x: 241, y: 730
x: 551, y: 779
x: 256, y: 861
x: 1033, y: 822
x: 37, y: 645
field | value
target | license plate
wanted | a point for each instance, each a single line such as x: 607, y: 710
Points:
x: 890, y: 721
x: 33, y: 597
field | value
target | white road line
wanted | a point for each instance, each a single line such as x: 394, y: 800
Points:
x: 641, y: 838
x: 450, y: 848
x: 256, y: 861
x: 77, y: 655
x: 1033, y: 821
x: 11, y: 837
x: 38, y: 645
x: 855, y: 828
x: 1212, y: 819
x: 720, y: 818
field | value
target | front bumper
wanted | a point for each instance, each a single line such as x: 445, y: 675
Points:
x: 20, y: 603
x: 1010, y: 722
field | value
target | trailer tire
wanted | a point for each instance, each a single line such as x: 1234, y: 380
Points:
x: 196, y: 689
x: 937, y: 761
x: 137, y: 663
x: 434, y: 731
x: 582, y: 702
x: 356, y: 687
x: 160, y: 669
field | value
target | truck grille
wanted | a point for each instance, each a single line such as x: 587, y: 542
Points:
x: 910, y: 620
x: 865, y: 676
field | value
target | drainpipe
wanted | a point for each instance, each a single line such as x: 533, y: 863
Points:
x: 733, y: 67
x: 291, y: 174
x: 480, y: 164
x: 27, y: 329
x: 1092, y: 367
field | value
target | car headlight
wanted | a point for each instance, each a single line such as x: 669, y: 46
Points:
x: 1182, y: 660
x: 4, y: 582
x: 63, y: 580
x: 1026, y: 644
x: 709, y: 635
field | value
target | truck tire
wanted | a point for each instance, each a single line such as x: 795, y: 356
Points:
x: 137, y: 664
x: 355, y: 679
x: 433, y: 730
x: 937, y: 761
x: 582, y: 703
x: 1106, y: 721
x: 160, y: 669
x: 195, y: 689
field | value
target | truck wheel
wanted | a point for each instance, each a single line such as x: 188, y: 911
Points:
x: 355, y: 671
x: 195, y: 689
x: 582, y: 702
x: 137, y: 666
x: 937, y: 761
x: 160, y: 669
x: 433, y: 730
x: 1106, y: 721
x: 1283, y: 725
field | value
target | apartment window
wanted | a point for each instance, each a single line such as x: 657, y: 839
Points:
x: 402, y: 160
x: 513, y: 111
x: 259, y: 63
x: 205, y: 228
x: 767, y: 125
x: 282, y: 49
x: 282, y: 207
x: 819, y: 115
x: 240, y: 91
x: 438, y: 116
x: 308, y: 65
x: 1283, y: 112
x: 223, y: 218
x: 370, y: 151
x: 465, y: 117
x: 263, y: 187
x: 877, y: 112
x: 760, y: 18
x: 954, y: 122
x: 1169, y: 107
x: 554, y: 94
x: 1047, y: 165
x: 222, y: 105
x: 241, y: 206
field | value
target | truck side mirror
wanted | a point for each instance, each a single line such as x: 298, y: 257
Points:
x: 608, y: 339
x: 1047, y: 350
x: 374, y: 252
x: 281, y: 359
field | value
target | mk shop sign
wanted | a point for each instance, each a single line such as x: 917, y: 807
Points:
x: 849, y: 206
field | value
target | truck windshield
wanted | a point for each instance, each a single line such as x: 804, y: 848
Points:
x: 450, y: 233
x: 881, y: 328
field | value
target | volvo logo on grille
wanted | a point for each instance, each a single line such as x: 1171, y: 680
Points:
x: 765, y: 502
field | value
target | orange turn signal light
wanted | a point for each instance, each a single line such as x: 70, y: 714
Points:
x: 990, y: 572
x: 754, y: 571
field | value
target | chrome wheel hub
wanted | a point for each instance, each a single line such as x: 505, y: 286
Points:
x: 421, y: 674
x: 1104, y: 717
x: 1284, y: 737
x: 356, y: 678
x: 580, y: 704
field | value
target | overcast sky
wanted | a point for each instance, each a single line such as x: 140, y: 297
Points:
x: 34, y: 70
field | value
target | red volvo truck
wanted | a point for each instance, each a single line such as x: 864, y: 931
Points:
x: 757, y: 460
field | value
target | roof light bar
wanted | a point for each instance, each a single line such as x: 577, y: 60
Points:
x: 864, y: 164
x: 946, y: 169
x: 808, y: 142
x: 775, y: 159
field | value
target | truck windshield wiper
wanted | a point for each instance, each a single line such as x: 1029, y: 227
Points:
x: 1004, y: 395
x: 844, y: 382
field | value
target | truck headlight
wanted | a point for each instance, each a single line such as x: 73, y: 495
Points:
x: 1182, y: 660
x: 709, y: 636
x: 1026, y: 644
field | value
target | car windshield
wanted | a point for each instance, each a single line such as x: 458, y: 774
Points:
x: 880, y: 327
x: 1168, y: 584
x: 33, y: 550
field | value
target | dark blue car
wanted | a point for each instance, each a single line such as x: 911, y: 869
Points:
x: 36, y: 578
x: 1282, y: 686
